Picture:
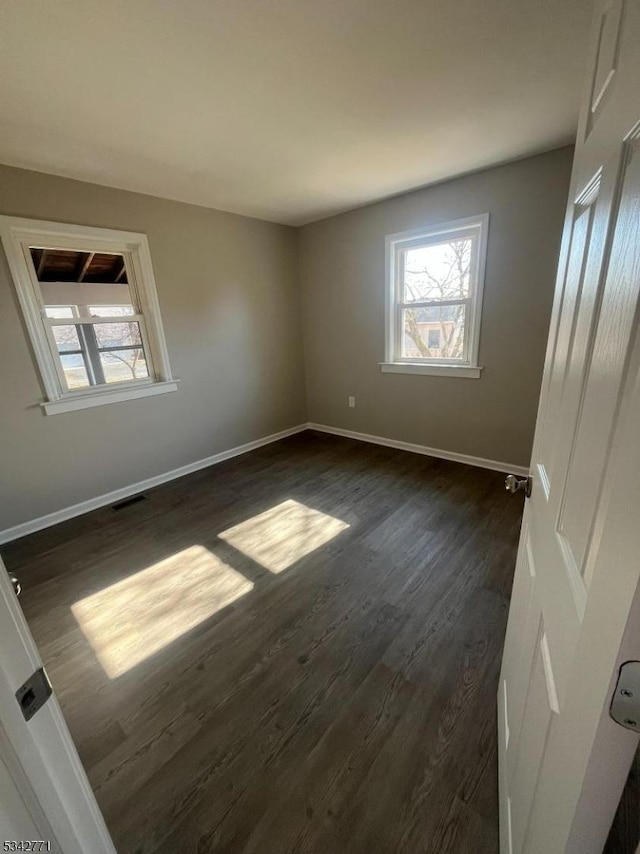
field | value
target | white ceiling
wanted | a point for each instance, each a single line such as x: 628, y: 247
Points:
x: 288, y: 110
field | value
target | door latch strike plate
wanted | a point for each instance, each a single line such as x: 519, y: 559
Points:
x: 625, y: 703
x: 34, y: 693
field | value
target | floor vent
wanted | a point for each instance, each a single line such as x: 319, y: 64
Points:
x: 127, y: 502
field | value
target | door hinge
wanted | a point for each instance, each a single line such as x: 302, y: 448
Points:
x: 34, y: 693
x: 625, y: 703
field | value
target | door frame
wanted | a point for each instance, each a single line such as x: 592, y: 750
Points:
x: 43, y: 746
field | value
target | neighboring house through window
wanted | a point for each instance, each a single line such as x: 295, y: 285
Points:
x: 90, y: 305
x: 435, y: 278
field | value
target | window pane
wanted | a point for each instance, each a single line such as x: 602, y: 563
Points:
x: 124, y: 365
x: 66, y: 338
x: 75, y: 371
x: 434, y: 332
x: 109, y: 335
x: 59, y: 312
x: 110, y: 310
x: 440, y: 271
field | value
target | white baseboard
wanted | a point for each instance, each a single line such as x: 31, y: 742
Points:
x: 50, y: 519
x: 480, y: 462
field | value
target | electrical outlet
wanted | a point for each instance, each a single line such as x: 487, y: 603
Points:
x: 352, y: 402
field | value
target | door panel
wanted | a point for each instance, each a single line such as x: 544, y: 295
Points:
x: 16, y: 821
x: 608, y: 26
x: 593, y: 433
x: 540, y: 706
x: 576, y: 264
x: 516, y: 694
x: 584, y: 443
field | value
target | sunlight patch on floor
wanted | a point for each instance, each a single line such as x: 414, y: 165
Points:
x: 131, y: 620
x: 282, y: 535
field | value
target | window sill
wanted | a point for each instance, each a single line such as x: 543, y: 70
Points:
x: 101, y: 398
x: 465, y: 371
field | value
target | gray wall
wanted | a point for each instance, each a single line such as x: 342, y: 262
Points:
x: 229, y: 290
x: 230, y: 307
x: 342, y: 276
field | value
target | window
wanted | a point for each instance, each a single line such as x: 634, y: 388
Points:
x: 434, y: 298
x: 90, y: 306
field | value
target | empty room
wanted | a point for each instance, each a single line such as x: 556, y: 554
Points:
x: 319, y: 446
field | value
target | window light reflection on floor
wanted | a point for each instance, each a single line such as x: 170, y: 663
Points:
x: 282, y: 535
x: 132, y: 619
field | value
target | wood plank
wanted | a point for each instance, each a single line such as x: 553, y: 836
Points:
x: 42, y: 261
x: 85, y: 263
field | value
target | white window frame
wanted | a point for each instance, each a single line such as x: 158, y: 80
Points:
x: 18, y: 235
x: 395, y: 245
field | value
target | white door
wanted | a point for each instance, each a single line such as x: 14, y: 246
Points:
x: 42, y: 783
x: 563, y: 762
x: 16, y: 820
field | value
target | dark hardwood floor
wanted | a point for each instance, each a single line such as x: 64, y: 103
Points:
x: 624, y: 835
x: 296, y: 650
